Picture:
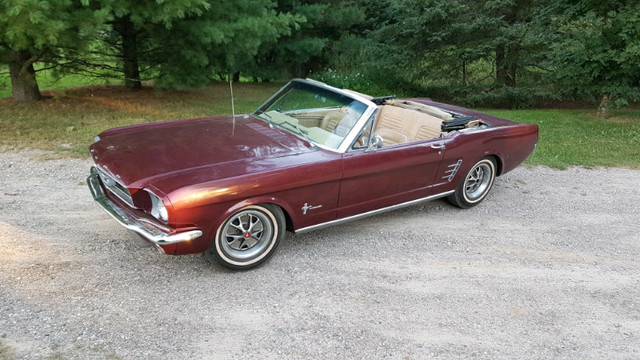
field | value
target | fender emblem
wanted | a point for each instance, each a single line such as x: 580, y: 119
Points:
x: 307, y: 207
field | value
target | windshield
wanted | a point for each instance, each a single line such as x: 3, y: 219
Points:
x: 321, y: 116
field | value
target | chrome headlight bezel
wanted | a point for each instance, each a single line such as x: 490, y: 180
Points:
x: 158, y: 209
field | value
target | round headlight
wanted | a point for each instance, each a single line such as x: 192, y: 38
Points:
x: 158, y: 210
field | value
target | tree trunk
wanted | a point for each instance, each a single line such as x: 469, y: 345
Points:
x: 125, y: 27
x: 510, y: 78
x: 512, y: 59
x: 298, y: 70
x: 603, y: 108
x: 507, y: 55
x: 501, y: 66
x: 24, y: 86
x: 236, y: 77
x: 464, y: 72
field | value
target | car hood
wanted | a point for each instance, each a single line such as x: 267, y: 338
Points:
x: 143, y: 155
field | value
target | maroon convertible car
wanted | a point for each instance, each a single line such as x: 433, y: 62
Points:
x: 311, y: 156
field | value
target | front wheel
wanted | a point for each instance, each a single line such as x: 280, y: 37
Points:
x: 248, y: 237
x: 476, y: 184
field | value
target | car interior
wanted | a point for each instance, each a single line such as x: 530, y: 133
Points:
x: 396, y: 122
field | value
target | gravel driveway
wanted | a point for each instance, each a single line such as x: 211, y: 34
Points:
x: 546, y: 267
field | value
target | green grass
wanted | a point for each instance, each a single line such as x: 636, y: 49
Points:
x: 68, y: 119
x: 46, y: 81
x: 579, y: 138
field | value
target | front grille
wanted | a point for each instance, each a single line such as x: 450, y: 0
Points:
x: 115, y: 187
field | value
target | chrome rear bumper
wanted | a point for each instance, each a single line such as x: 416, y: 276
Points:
x: 154, y: 235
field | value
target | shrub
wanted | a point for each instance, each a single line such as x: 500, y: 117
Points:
x: 508, y: 97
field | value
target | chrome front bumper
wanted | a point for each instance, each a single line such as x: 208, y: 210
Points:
x: 154, y: 235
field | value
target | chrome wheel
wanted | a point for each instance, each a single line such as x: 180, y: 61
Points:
x: 246, y: 234
x: 476, y: 184
x: 248, y: 237
x: 478, y: 181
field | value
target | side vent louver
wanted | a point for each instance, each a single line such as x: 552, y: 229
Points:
x: 453, y: 170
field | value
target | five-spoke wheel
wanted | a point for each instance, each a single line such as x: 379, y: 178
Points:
x: 476, y: 184
x: 248, y: 237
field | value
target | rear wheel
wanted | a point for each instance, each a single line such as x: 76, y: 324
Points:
x: 248, y: 237
x: 476, y: 184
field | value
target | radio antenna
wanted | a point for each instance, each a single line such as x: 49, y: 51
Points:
x: 233, y: 109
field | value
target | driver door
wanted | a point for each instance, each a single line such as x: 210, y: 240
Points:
x: 388, y: 175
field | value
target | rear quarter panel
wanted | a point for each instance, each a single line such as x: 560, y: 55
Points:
x: 512, y: 141
x: 510, y: 145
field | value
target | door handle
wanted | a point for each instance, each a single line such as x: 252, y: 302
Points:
x: 438, y: 146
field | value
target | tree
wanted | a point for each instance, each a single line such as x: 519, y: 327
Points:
x: 321, y: 24
x: 180, y: 43
x: 122, y: 48
x: 32, y: 31
x: 506, y: 16
x: 221, y: 42
x: 594, y: 50
x: 455, y: 40
x: 133, y: 25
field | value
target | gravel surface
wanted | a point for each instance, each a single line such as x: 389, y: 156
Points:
x: 546, y: 267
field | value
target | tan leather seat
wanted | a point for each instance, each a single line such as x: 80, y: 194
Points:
x: 340, y: 121
x: 391, y: 136
x: 399, y: 125
x: 331, y: 119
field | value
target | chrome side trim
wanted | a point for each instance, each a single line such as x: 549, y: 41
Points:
x: 155, y: 235
x: 373, y: 212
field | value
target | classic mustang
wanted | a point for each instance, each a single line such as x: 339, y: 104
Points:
x: 311, y: 156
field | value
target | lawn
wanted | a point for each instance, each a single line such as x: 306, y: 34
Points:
x: 578, y: 137
x: 46, y: 81
x: 68, y: 119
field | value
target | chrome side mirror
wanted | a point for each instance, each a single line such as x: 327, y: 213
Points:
x: 375, y: 143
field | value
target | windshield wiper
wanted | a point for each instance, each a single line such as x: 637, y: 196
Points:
x: 268, y: 117
x: 301, y: 132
